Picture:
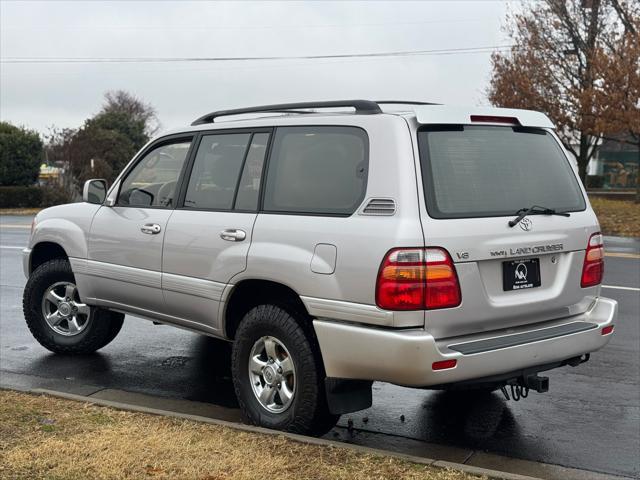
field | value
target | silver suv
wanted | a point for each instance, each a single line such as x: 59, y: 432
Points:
x: 424, y: 245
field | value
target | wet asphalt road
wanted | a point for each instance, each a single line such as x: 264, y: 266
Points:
x: 590, y: 419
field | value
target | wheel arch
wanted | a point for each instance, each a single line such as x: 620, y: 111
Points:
x: 252, y: 292
x: 66, y: 226
x: 44, y: 251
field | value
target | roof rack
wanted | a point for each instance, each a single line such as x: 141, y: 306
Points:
x: 366, y: 107
x: 404, y: 102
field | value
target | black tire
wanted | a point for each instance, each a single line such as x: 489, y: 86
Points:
x: 103, y: 325
x: 308, y: 413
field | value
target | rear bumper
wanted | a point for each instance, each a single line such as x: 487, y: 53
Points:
x: 405, y: 357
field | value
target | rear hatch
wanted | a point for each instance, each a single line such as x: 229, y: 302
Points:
x: 475, y: 180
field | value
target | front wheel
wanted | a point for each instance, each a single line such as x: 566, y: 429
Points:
x: 56, y: 316
x: 277, y: 372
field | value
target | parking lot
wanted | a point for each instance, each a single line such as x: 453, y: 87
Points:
x: 590, y: 418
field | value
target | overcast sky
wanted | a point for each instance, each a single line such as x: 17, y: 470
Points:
x: 64, y: 94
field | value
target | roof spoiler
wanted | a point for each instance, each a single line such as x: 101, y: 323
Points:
x: 449, y: 115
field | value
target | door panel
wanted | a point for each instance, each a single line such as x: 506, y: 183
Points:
x: 125, y: 245
x: 208, y: 237
x: 124, y: 263
x: 198, y: 263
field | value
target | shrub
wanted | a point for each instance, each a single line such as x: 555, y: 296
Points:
x: 595, y: 181
x: 20, y: 155
x: 20, y: 197
x: 32, y: 197
x: 54, y: 196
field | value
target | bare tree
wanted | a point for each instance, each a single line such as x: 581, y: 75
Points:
x: 105, y: 143
x: 552, y: 66
x: 121, y: 101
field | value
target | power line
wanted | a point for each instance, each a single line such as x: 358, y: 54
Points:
x: 408, y: 53
x: 211, y: 28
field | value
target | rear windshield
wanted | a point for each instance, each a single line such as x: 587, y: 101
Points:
x: 484, y: 171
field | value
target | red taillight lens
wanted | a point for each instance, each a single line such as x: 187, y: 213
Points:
x: 444, y: 364
x: 401, y: 280
x: 443, y: 289
x: 607, y: 330
x: 416, y: 279
x: 593, y: 267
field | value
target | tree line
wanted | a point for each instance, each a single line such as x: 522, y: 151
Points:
x: 100, y: 148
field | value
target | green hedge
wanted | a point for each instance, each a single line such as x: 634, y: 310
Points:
x: 32, y: 197
x: 595, y: 181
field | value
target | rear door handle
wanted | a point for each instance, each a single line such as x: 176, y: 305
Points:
x: 150, y: 228
x: 233, y: 235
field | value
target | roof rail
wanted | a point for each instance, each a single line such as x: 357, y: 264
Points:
x: 366, y: 107
x: 404, y: 102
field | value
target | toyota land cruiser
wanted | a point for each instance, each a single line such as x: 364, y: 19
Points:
x: 336, y: 244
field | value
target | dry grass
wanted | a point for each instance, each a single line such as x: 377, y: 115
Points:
x: 617, y: 217
x: 47, y: 437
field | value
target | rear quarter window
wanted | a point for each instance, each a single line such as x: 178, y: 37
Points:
x: 317, y: 170
x: 484, y: 171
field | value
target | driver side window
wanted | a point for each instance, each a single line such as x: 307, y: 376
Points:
x: 153, y: 181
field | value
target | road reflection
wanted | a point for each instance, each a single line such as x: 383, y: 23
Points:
x: 467, y: 419
x: 73, y: 367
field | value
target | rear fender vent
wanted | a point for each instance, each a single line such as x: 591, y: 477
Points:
x: 379, y: 206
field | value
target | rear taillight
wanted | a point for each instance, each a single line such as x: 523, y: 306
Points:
x: 417, y: 279
x: 593, y: 267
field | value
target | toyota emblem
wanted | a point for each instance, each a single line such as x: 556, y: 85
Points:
x: 526, y: 224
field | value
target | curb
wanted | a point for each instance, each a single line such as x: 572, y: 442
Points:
x: 471, y: 470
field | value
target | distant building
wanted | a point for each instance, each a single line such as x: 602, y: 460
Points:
x: 617, y: 164
x: 50, y: 175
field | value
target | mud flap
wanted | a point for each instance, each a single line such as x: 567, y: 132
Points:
x: 346, y: 396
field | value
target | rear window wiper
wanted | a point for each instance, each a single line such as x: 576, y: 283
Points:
x: 535, y: 210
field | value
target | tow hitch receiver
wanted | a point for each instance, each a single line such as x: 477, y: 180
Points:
x: 530, y: 380
x: 520, y: 386
x: 537, y: 383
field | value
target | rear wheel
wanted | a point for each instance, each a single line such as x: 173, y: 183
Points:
x: 57, y: 317
x: 277, y: 372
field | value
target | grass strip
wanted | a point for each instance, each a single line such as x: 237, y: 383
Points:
x: 617, y: 217
x: 46, y: 437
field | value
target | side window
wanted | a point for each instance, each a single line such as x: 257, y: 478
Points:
x: 152, y: 182
x: 249, y: 187
x: 319, y: 170
x: 216, y: 169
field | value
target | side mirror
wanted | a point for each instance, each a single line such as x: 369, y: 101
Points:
x: 94, y: 191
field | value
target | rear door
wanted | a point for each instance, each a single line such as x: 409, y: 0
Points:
x: 475, y: 179
x: 208, y: 236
